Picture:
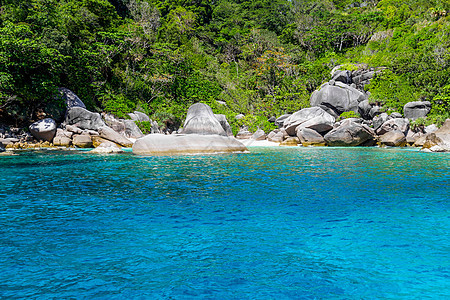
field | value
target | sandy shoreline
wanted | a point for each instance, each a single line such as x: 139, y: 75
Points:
x: 263, y: 143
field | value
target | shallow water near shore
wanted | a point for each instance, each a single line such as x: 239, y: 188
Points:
x: 277, y: 223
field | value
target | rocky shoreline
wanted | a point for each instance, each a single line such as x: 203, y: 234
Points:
x: 205, y: 132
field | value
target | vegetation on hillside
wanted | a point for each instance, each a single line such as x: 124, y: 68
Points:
x: 262, y: 58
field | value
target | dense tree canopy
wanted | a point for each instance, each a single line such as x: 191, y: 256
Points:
x: 262, y: 58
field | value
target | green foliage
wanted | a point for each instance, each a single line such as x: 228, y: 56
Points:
x: 348, y: 115
x: 144, y: 126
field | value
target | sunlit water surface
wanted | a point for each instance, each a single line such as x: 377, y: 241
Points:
x: 286, y: 223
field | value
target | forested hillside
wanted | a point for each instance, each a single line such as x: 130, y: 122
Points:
x: 260, y: 58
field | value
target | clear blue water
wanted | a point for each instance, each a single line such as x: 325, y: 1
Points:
x: 292, y: 223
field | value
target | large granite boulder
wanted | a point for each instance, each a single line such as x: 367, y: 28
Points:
x: 70, y: 98
x: 337, y: 97
x: 364, y: 108
x: 132, y: 130
x: 82, y: 141
x: 394, y: 138
x: 159, y: 144
x: 416, y: 109
x: 200, y: 119
x: 348, y: 134
x: 276, y: 137
x: 380, y: 120
x: 44, y: 130
x: 83, y: 118
x: 224, y: 123
x: 290, y: 141
x: 313, y: 117
x: 244, y: 133
x: 394, y: 124
x: 343, y: 76
x: 280, y: 120
x: 111, y: 135
x: 310, y: 137
x: 439, y: 141
x: 139, y: 116
x: 259, y: 135
x: 106, y: 148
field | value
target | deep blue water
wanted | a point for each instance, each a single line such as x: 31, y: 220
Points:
x: 291, y: 223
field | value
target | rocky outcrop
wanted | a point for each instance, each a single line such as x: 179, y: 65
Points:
x: 394, y: 138
x: 275, y: 136
x: 310, y: 137
x: 106, y: 148
x: 348, y: 134
x: 259, y: 135
x: 244, y: 133
x: 439, y: 141
x: 43, y: 130
x: 313, y: 117
x: 224, y: 123
x: 201, y: 120
x: 132, y: 130
x: 394, y: 124
x: 337, y: 97
x: 70, y: 98
x: 111, y: 135
x: 416, y: 109
x: 83, y: 118
x: 158, y: 144
x: 290, y: 142
x: 280, y: 120
x: 82, y: 141
x: 139, y: 116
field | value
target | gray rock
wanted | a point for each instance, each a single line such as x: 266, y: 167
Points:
x: 84, y: 119
x: 313, y: 117
x: 343, y: 76
x: 62, y: 141
x: 107, y: 148
x: 348, y: 134
x: 412, y: 137
x: 431, y: 128
x: 374, y: 111
x: 73, y: 129
x: 394, y: 138
x: 111, y: 135
x: 244, y: 133
x: 132, y: 130
x: 280, y: 120
x: 416, y: 109
x: 116, y: 124
x: 337, y: 98
x: 224, y: 123
x: 221, y: 103
x: 201, y: 120
x: 159, y: 144
x: 395, y: 115
x: 380, y: 120
x: 364, y: 108
x: 310, y: 137
x: 394, y: 124
x: 70, y: 98
x: 44, y: 130
x: 272, y: 133
x: 272, y: 119
x: 239, y: 117
x: 440, y: 138
x: 259, y: 135
x: 82, y: 141
x: 278, y: 137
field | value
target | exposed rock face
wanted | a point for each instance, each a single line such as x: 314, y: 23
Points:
x: 224, y: 123
x: 348, y: 134
x: 337, y: 98
x: 139, y: 116
x: 83, y: 118
x: 416, y: 109
x: 158, y: 144
x: 111, y: 135
x: 71, y: 99
x: 62, y: 141
x: 259, y: 135
x: 44, y: 130
x: 394, y: 124
x: 364, y: 108
x: 132, y: 130
x: 343, y: 76
x: 313, y: 117
x: 106, y: 148
x: 276, y: 137
x: 244, y: 134
x: 394, y: 138
x: 310, y: 137
x: 280, y: 120
x: 379, y: 120
x: 239, y: 117
x: 290, y: 141
x: 82, y: 141
x: 439, y: 141
x: 201, y: 120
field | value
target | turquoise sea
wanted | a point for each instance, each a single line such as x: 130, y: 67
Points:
x: 276, y: 223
